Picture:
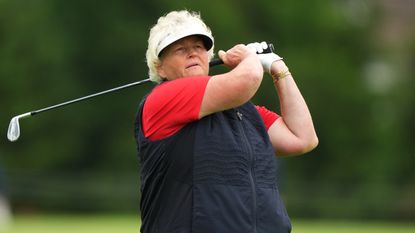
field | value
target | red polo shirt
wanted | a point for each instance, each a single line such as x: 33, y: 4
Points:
x: 172, y: 105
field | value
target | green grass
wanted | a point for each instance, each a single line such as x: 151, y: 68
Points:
x: 73, y: 224
x: 130, y: 223
x: 327, y: 226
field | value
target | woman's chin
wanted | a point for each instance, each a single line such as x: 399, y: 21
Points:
x: 195, y: 71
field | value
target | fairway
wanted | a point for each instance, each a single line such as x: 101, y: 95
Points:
x: 130, y: 223
x: 320, y: 226
x: 73, y: 223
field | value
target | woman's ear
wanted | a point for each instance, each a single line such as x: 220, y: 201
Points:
x: 160, y: 70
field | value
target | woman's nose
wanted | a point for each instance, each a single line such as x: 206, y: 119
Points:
x: 192, y: 51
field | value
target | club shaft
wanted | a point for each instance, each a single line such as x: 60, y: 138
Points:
x: 89, y: 96
x: 212, y: 63
x: 215, y: 62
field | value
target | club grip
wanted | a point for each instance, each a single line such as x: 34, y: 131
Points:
x: 215, y: 62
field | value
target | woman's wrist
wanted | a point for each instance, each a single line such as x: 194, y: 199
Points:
x: 279, y: 70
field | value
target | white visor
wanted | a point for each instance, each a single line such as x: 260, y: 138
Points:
x: 172, y: 37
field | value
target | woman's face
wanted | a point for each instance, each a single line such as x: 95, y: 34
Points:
x: 185, y: 57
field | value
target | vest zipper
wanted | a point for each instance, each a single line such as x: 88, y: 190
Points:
x: 251, y: 170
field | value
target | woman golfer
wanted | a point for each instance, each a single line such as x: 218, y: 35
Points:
x: 207, y: 153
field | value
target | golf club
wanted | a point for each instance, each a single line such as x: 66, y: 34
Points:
x: 13, y: 132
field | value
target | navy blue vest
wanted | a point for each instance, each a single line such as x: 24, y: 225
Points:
x: 216, y: 175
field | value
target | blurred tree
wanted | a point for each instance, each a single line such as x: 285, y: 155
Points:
x: 53, y: 51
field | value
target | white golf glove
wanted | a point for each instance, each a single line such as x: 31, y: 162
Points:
x: 266, y: 58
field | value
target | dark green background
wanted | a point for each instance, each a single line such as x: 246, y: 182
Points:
x: 355, y: 73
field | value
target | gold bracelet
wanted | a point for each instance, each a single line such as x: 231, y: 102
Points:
x: 280, y: 75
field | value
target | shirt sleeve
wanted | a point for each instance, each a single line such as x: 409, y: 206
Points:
x: 172, y: 105
x: 269, y: 117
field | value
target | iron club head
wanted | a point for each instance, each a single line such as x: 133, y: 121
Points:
x: 14, y: 128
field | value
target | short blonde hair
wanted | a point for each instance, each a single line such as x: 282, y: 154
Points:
x: 170, y: 28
